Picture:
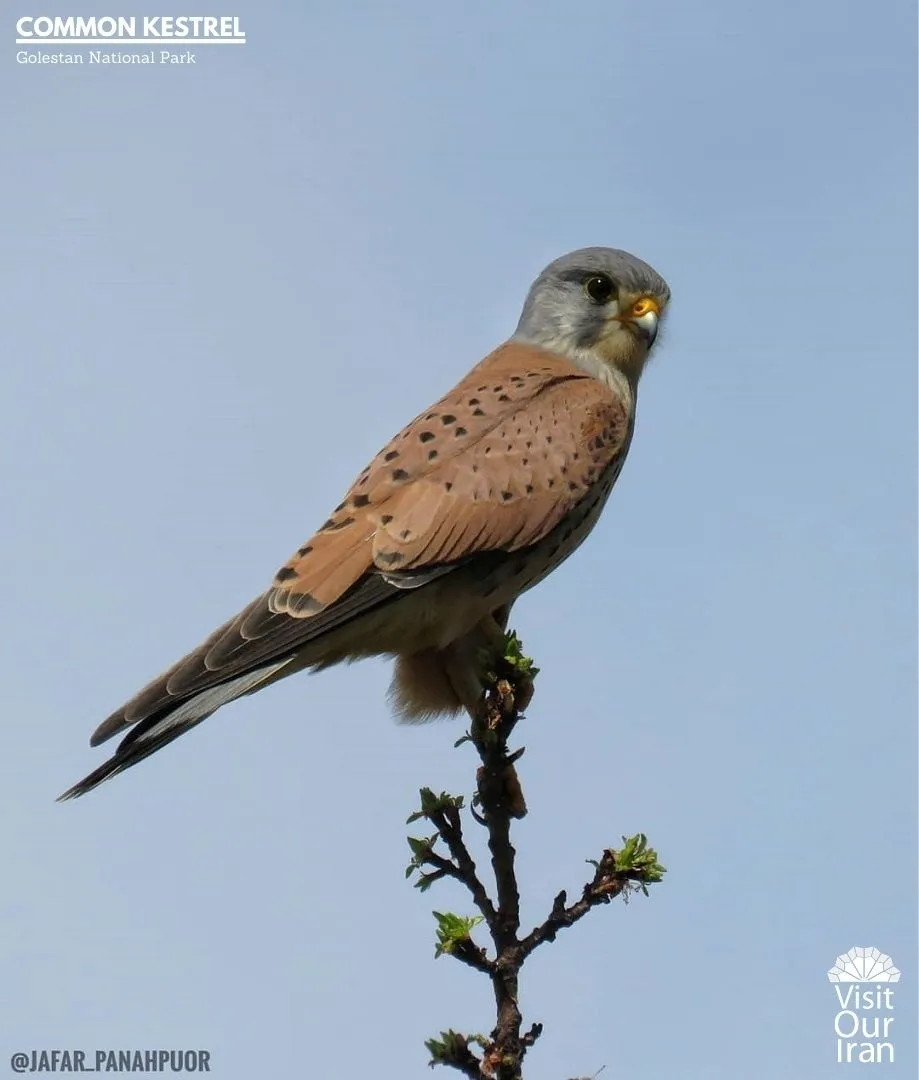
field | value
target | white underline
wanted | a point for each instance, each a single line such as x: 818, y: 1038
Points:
x: 38, y: 42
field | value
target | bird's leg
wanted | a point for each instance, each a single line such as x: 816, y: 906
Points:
x: 471, y: 664
x: 437, y: 682
x: 468, y: 661
x: 523, y: 685
x: 501, y: 615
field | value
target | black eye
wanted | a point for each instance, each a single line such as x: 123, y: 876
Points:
x: 600, y: 288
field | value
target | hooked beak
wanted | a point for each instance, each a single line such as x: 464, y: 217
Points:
x: 643, y: 318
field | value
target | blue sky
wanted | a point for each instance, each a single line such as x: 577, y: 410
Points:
x: 226, y: 286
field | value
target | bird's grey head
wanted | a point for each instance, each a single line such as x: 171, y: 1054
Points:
x: 599, y: 307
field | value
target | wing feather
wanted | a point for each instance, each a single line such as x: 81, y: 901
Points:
x: 492, y: 467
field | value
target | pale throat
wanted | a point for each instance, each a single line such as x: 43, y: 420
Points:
x: 619, y: 373
x: 607, y: 360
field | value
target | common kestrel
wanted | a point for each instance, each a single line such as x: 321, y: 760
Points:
x: 474, y: 502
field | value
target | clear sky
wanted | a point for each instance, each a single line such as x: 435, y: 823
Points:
x: 225, y: 286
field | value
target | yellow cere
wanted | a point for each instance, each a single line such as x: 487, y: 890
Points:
x: 643, y: 306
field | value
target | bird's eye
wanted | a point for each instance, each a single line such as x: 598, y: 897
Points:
x: 600, y: 288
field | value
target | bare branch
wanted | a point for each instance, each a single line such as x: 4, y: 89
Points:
x: 497, y: 803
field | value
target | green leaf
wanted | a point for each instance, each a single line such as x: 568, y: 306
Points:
x: 431, y: 804
x: 637, y: 861
x: 421, y: 846
x: 449, y: 1048
x: 452, y: 929
x: 515, y: 659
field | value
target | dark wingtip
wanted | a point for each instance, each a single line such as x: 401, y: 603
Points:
x: 94, y: 779
x: 107, y: 729
x: 72, y: 793
x: 135, y: 746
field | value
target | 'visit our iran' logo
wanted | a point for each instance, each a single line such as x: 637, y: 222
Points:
x: 863, y: 979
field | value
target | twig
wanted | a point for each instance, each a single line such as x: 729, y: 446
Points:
x: 499, y: 800
x: 450, y: 827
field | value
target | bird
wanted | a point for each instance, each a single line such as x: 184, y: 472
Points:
x: 474, y: 502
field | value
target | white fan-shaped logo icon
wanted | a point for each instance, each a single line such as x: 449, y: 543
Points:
x: 863, y: 965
